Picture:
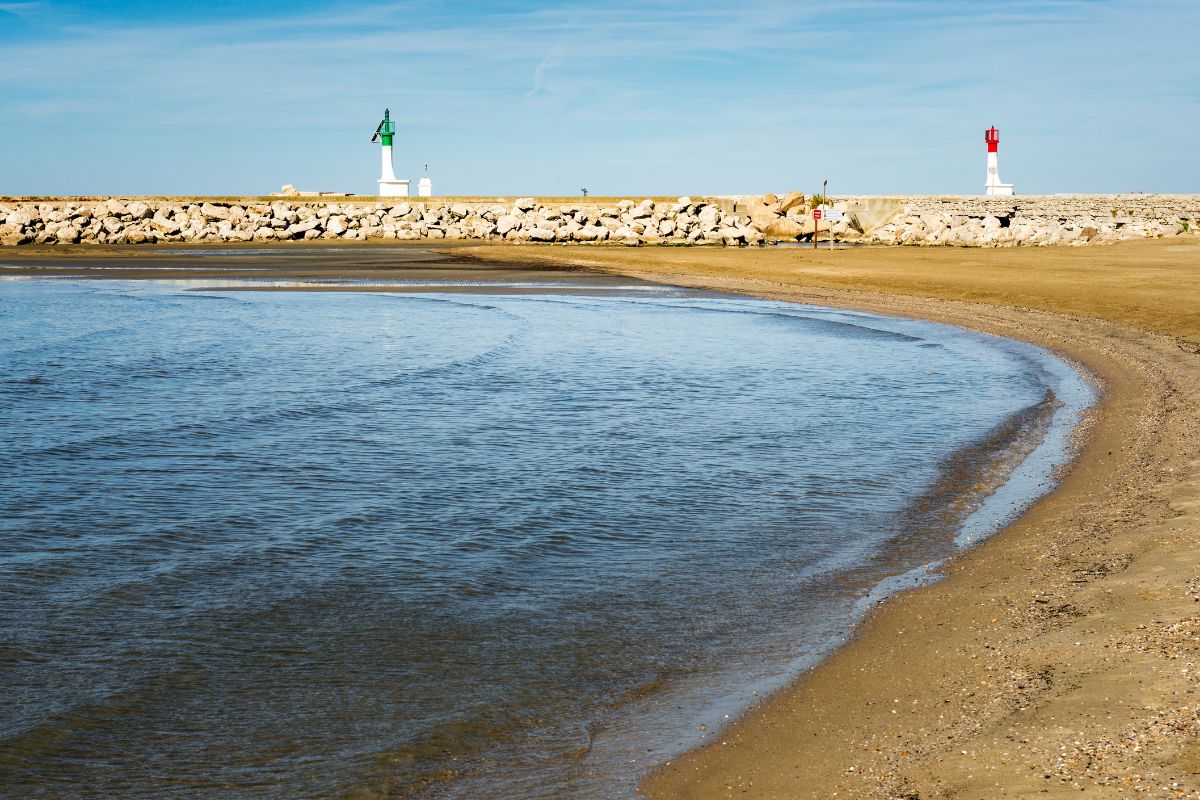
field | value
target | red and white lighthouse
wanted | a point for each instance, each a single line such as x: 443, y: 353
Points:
x: 993, y: 185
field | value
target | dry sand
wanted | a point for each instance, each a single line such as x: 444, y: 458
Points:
x: 1061, y: 657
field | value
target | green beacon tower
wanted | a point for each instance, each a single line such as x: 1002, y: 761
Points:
x: 389, y: 186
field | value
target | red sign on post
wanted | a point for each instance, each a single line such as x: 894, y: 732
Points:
x: 816, y: 213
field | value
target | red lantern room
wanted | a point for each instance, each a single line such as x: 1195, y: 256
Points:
x: 992, y: 137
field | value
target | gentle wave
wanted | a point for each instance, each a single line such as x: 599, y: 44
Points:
x: 354, y: 544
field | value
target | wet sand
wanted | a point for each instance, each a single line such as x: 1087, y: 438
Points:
x: 1059, y: 656
x: 323, y: 262
x: 306, y: 267
x: 1062, y: 655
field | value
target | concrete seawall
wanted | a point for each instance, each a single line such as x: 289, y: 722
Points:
x: 745, y: 220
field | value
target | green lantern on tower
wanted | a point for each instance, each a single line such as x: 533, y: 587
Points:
x: 386, y: 130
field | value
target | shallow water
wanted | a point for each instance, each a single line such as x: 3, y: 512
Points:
x: 350, y: 544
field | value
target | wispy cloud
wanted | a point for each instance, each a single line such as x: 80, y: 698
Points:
x: 551, y: 60
x: 888, y: 95
x: 19, y: 9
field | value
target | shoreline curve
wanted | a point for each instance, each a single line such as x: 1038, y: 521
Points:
x: 1053, y: 657
x: 1060, y: 655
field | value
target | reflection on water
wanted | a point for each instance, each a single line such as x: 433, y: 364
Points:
x: 312, y: 545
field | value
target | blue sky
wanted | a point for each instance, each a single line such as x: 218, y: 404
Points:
x: 510, y: 98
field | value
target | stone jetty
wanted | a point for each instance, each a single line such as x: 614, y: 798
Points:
x: 1037, y: 220
x: 737, y: 221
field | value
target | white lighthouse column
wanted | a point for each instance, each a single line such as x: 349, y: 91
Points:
x: 993, y: 186
x: 389, y: 186
x: 387, y: 174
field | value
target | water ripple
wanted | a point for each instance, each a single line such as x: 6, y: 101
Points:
x: 349, y: 544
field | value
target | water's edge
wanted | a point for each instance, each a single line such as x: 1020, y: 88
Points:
x: 980, y: 489
x: 1056, y: 429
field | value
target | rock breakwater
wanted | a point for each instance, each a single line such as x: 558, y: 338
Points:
x: 746, y: 220
x: 1013, y: 221
x: 686, y: 221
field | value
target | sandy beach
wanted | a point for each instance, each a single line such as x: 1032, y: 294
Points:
x: 1061, y: 655
x: 1058, y: 657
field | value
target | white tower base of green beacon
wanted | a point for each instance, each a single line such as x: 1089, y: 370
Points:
x: 389, y: 185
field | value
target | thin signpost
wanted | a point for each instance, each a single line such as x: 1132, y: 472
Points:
x: 819, y: 212
x: 825, y: 211
x: 825, y: 202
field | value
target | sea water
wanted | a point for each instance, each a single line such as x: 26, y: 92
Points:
x: 507, y: 544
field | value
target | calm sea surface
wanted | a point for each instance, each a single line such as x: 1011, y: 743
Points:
x: 362, y: 545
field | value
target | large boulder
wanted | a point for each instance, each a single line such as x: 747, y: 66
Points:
x: 792, y: 201
x: 708, y: 217
x: 300, y: 228
x: 214, y: 212
x: 750, y: 235
x: 810, y: 226
x: 506, y: 223
x: 20, y: 216
x: 590, y: 233
x: 139, y: 210
x: 768, y: 220
x: 164, y: 225
x: 627, y: 235
x: 732, y: 236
